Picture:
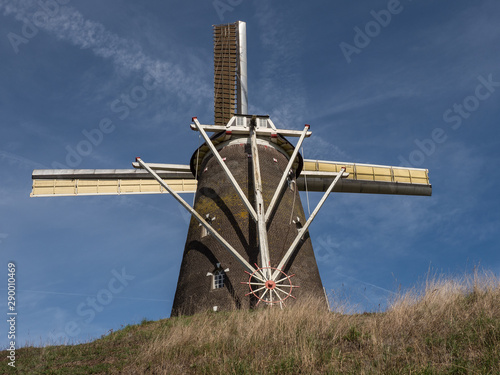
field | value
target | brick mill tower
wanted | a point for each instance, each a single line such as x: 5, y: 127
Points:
x: 248, y: 243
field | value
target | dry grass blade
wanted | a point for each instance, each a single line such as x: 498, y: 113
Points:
x: 447, y: 326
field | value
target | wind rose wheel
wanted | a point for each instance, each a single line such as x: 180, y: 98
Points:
x: 270, y: 285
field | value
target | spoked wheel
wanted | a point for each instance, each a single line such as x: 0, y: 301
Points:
x: 270, y: 290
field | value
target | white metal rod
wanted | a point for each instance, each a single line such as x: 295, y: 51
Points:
x: 303, y: 230
x: 274, y: 200
x: 259, y: 204
x: 244, y: 130
x: 198, y: 217
x: 321, y: 174
x: 242, y: 95
x: 226, y: 169
x: 166, y: 167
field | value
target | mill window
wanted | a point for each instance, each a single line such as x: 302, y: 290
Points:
x: 218, y: 278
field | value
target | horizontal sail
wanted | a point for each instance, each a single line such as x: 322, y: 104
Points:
x: 71, y: 182
x: 58, y: 187
x: 316, y: 176
x: 364, y: 178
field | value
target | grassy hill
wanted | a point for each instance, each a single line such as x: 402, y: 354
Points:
x: 449, y: 327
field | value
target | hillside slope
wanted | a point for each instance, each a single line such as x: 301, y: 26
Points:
x: 451, y: 327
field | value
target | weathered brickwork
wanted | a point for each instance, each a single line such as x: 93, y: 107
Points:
x: 218, y: 198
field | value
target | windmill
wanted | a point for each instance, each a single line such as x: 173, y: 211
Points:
x: 248, y: 242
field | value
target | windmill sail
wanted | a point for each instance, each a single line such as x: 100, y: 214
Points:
x: 230, y: 71
x: 365, y: 178
x: 73, y: 182
x: 316, y: 176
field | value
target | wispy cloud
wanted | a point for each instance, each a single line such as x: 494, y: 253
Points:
x: 355, y: 100
x: 69, y: 25
x: 319, y: 147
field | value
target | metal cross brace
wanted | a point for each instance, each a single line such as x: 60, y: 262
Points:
x: 259, y: 204
x: 274, y: 200
x: 226, y: 170
x: 303, y: 230
x: 198, y: 217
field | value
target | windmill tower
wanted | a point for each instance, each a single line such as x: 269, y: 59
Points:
x: 248, y: 242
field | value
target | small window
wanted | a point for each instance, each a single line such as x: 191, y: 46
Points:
x: 241, y: 121
x: 263, y: 123
x: 219, y: 276
x: 209, y: 220
x: 204, y: 232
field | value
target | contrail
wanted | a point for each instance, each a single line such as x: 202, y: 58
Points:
x: 366, y: 283
x: 92, y: 295
x: 20, y: 160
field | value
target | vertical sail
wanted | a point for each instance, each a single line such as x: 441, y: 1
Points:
x: 230, y: 71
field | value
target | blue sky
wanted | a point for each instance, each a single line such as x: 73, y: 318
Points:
x: 383, y: 82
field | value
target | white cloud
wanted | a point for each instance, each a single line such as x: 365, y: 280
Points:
x: 68, y: 24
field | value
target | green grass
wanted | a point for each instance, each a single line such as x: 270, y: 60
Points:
x: 446, y: 327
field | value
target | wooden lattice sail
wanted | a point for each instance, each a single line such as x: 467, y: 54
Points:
x: 230, y: 71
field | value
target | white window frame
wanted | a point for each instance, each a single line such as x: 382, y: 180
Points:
x: 218, y: 279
